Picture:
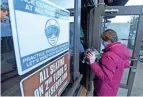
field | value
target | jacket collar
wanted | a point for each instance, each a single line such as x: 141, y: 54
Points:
x: 111, y: 46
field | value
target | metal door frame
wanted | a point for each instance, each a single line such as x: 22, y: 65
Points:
x: 95, y: 29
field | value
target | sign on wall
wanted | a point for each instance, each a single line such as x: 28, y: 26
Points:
x: 40, y: 32
x: 50, y: 80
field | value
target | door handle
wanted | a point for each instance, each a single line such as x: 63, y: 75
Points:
x: 133, y: 68
x: 133, y: 59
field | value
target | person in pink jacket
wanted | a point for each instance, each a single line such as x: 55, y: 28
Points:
x: 110, y: 68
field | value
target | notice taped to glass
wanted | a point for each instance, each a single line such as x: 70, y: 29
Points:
x: 50, y: 80
x: 40, y: 31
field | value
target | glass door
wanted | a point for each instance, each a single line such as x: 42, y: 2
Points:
x: 126, y: 28
x: 127, y: 21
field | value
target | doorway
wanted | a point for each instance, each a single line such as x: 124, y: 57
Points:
x: 127, y: 21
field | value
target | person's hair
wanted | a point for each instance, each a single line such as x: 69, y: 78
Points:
x: 109, y: 35
x: 4, y: 7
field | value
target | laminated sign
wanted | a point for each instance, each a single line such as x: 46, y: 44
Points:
x: 50, y: 80
x: 40, y: 32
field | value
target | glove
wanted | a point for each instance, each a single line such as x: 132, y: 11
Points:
x: 91, y: 58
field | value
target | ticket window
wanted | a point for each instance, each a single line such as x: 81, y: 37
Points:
x: 80, y: 47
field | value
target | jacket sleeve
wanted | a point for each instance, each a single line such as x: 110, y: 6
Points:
x: 107, y: 70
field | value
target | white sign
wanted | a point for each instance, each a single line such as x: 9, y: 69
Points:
x: 40, y: 32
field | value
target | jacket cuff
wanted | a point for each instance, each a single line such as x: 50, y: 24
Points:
x: 94, y: 65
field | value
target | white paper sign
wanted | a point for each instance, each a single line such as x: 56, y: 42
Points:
x: 40, y: 32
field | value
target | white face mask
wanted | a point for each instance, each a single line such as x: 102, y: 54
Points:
x: 106, y: 43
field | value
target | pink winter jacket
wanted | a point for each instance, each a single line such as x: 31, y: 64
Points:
x: 110, y: 69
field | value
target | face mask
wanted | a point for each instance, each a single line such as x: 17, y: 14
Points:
x: 105, y: 43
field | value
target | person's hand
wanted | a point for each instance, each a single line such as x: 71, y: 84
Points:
x: 91, y: 58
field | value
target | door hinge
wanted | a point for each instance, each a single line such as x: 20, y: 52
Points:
x: 133, y: 69
x: 142, y: 11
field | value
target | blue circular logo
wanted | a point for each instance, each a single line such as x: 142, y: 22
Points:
x: 52, y: 31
